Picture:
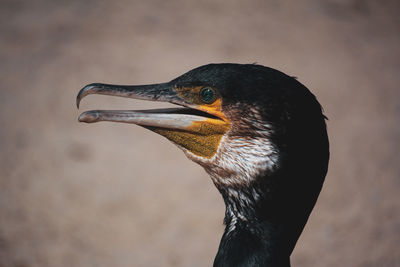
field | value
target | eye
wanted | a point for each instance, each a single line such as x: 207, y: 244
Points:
x: 207, y: 95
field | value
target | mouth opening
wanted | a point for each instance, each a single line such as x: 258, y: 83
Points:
x: 184, y: 111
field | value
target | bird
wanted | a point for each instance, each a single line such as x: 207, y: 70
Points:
x: 261, y: 136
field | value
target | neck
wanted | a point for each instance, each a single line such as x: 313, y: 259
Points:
x: 252, y: 237
x: 262, y: 224
x: 252, y: 244
x: 269, y: 198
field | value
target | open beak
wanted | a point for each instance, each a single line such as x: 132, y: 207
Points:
x: 195, y: 128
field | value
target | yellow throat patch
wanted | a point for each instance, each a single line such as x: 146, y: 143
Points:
x: 203, y: 137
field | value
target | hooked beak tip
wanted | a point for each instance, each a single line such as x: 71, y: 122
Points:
x: 88, y: 89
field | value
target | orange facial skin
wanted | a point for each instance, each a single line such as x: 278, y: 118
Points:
x: 203, y: 137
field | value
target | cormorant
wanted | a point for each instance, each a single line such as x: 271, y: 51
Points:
x: 261, y: 136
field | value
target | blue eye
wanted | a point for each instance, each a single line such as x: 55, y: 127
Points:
x: 207, y: 95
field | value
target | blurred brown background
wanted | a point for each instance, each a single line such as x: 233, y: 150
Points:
x: 107, y: 194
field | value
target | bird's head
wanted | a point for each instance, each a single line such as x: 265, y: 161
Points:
x: 259, y: 133
x: 237, y: 121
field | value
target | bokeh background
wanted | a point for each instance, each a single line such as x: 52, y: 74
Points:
x: 108, y: 194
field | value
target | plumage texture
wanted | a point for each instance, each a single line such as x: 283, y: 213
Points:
x: 271, y: 164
